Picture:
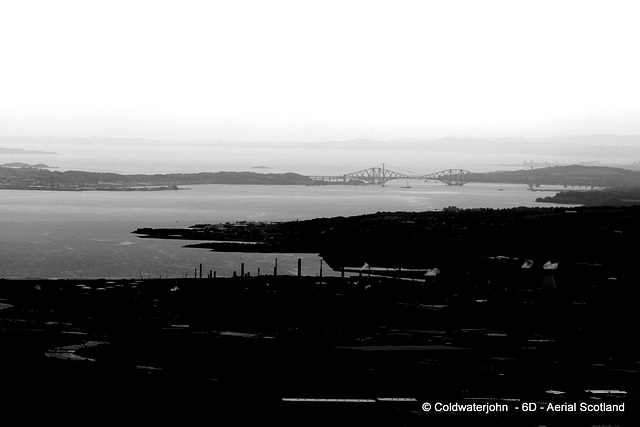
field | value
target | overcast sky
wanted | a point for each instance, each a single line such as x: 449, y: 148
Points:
x: 318, y: 70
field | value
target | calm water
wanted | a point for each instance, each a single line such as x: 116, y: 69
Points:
x: 88, y: 234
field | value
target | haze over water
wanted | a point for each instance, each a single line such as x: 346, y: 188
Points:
x: 88, y: 234
x: 129, y: 156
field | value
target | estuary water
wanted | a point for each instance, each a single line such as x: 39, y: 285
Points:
x: 49, y: 234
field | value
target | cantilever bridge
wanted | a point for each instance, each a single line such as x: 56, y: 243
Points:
x: 380, y: 175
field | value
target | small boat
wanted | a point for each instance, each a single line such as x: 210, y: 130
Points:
x: 406, y: 186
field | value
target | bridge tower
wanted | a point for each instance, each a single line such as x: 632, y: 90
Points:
x: 457, y: 177
x: 376, y: 175
x: 533, y: 178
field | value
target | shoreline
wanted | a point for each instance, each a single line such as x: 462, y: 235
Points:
x: 451, y: 236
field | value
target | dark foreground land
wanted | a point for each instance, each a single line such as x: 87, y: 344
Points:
x: 451, y: 240
x: 370, y: 351
x: 527, y: 307
x: 620, y: 196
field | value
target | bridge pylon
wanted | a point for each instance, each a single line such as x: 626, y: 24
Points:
x: 381, y: 175
x: 451, y: 176
x: 376, y: 175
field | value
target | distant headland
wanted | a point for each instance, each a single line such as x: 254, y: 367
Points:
x: 4, y: 150
x: 452, y: 237
x: 589, y: 178
x: 26, y: 165
x: 28, y: 178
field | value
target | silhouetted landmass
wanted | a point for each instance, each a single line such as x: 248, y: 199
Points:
x: 180, y: 349
x: 41, y: 179
x: 4, y: 150
x: 38, y: 179
x: 26, y: 165
x: 609, y: 197
x: 498, y: 325
x: 436, y: 239
x: 81, y: 177
x: 573, y: 175
x: 634, y: 166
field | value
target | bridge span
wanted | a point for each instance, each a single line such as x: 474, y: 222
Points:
x: 381, y: 175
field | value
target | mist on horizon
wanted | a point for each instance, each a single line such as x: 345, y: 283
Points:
x: 135, y: 156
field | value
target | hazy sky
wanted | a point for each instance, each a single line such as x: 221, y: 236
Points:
x: 318, y: 70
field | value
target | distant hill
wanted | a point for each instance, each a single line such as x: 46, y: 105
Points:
x: 608, y: 197
x: 4, y: 150
x: 601, y: 146
x: 575, y: 175
x: 597, y: 146
x: 45, y: 177
x: 598, y: 176
x: 26, y: 165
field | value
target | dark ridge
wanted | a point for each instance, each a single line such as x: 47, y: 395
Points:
x: 435, y: 239
x: 609, y: 197
x: 573, y: 175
